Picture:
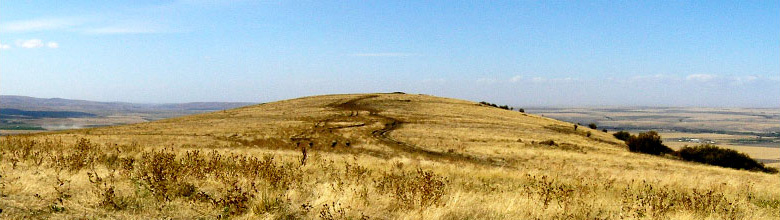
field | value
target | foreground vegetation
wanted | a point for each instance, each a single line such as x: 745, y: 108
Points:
x: 364, y: 157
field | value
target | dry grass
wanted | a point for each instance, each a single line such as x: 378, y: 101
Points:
x: 382, y: 156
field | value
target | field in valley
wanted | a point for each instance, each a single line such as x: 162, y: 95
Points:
x: 366, y: 156
x: 24, y: 115
x: 755, y: 132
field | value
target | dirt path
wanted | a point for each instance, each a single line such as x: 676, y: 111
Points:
x: 391, y: 124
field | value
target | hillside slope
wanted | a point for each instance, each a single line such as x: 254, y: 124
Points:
x: 364, y: 155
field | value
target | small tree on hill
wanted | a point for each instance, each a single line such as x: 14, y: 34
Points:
x: 593, y: 126
x: 622, y: 135
x: 649, y: 143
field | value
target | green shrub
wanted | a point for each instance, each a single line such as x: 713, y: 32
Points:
x: 714, y: 155
x: 593, y: 126
x: 622, y: 135
x: 648, y: 142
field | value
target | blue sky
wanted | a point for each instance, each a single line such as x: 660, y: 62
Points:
x: 524, y: 53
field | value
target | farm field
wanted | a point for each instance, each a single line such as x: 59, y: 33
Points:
x: 365, y: 156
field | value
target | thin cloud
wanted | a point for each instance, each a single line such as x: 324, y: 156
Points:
x: 538, y: 79
x: 41, y: 24
x: 29, y: 44
x: 4, y: 46
x: 564, y: 80
x: 516, y: 79
x: 486, y: 80
x: 701, y: 77
x: 93, y: 25
x: 121, y: 30
x: 385, y: 54
x: 657, y: 78
x: 32, y: 44
x: 52, y: 45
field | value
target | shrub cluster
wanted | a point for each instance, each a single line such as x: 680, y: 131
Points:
x: 648, y: 142
x: 713, y: 155
x: 497, y: 106
x: 622, y: 135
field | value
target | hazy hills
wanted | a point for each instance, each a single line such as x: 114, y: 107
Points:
x: 58, y: 104
x: 22, y: 114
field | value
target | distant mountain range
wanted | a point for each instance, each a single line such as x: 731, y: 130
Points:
x: 25, y: 104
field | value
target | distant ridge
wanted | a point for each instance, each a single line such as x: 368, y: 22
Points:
x: 25, y: 103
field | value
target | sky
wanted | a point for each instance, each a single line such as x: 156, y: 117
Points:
x: 521, y: 53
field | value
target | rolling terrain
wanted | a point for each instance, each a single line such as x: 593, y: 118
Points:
x: 364, y: 156
x: 22, y: 114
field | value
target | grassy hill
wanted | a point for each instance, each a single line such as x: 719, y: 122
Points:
x: 377, y: 156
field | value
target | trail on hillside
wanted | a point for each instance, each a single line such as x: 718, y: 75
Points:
x: 390, y: 124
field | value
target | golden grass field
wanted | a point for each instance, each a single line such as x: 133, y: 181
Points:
x: 364, y: 156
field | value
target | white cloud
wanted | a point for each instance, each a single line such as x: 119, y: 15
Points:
x: 745, y: 78
x: 42, y: 24
x: 384, y: 54
x: 742, y: 80
x: 31, y: 43
x: 538, y: 79
x: 652, y: 77
x: 701, y: 77
x: 52, y: 44
x: 4, y: 46
x: 657, y: 78
x: 486, y: 80
x: 92, y: 25
x: 516, y: 78
x: 563, y: 80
